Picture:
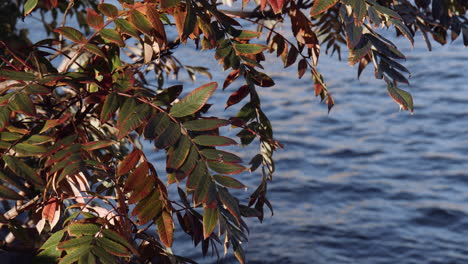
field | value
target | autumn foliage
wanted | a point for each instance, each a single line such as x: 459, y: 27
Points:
x: 77, y: 107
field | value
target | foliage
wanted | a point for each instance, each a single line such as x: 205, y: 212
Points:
x: 75, y: 183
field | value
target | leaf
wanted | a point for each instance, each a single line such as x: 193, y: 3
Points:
x: 50, y: 209
x: 108, y: 10
x: 248, y: 49
x: 205, y: 124
x: 194, y: 101
x: 169, y: 3
x: 132, y: 115
x: 112, y: 36
x: 230, y: 203
x: 246, y: 34
x: 385, y: 11
x: 94, y: 19
x: 53, y: 240
x: 21, y: 103
x: 165, y: 230
x: 93, y: 145
x: 127, y: 28
x: 74, y: 255
x: 129, y: 162
x: 54, y: 122
x: 112, y: 247
x: 95, y: 50
x: 111, y: 104
x: 208, y: 140
x: 215, y: 154
x: 169, y: 137
x: 29, y: 6
x: 238, y: 95
x: 229, y: 182
x: 27, y: 150
x: 230, y: 78
x: 33, y: 88
x: 79, y: 229
x: 210, y: 219
x: 72, y: 34
x: 137, y: 178
x: 76, y: 242
x: 140, y: 22
x: 17, y: 75
x: 190, y: 21
x: 321, y: 6
x: 403, y: 98
x: 21, y: 169
x: 226, y: 167
x: 301, y: 68
x: 180, y: 153
x: 111, y: 234
x: 8, y: 194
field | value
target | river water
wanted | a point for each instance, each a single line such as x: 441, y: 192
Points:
x: 366, y: 183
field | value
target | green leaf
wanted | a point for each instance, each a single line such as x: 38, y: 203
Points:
x: 205, y: 124
x: 21, y: 169
x: 111, y: 234
x: 169, y: 137
x: 168, y: 95
x: 4, y: 117
x: 112, y: 36
x: 179, y: 154
x: 169, y: 3
x: 403, y: 98
x: 112, y: 247
x: 131, y: 116
x: 210, y: 219
x: 95, y: 50
x: 79, y: 229
x: 36, y: 89
x: 17, y: 75
x: 208, y: 140
x: 9, y: 194
x: 21, y: 103
x: 103, y: 256
x: 190, y: 21
x: 74, y: 255
x: 28, y: 149
x: 76, y: 242
x: 111, y: 104
x: 72, y: 34
x: 127, y: 28
x: 215, y: 154
x: 140, y: 22
x: 321, y: 6
x: 385, y: 11
x: 229, y: 182
x: 194, y: 101
x: 225, y: 167
x: 109, y: 10
x: 247, y: 49
x: 230, y: 203
x: 246, y: 34
x: 29, y: 6
x: 53, y: 240
x: 156, y: 125
x: 93, y: 145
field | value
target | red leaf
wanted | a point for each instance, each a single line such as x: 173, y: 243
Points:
x: 129, y: 162
x: 330, y: 102
x: 276, y: 5
x: 49, y: 210
x: 230, y: 78
x: 238, y: 95
x: 94, y: 19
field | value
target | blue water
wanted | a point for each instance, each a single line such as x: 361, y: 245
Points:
x: 366, y: 183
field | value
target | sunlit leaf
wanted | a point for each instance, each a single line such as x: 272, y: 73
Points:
x: 127, y: 28
x: 72, y: 34
x: 140, y: 22
x: 210, y: 219
x: 238, y: 95
x: 29, y: 6
x: 208, y: 140
x: 229, y: 182
x: 194, y: 101
x: 93, y: 145
x: 248, y: 49
x: 94, y: 20
x: 112, y: 247
x: 205, y: 124
x: 403, y: 98
x: 321, y: 6
x: 129, y: 162
x: 17, y: 75
x: 95, y: 50
x: 76, y: 242
x: 226, y: 167
x: 180, y: 153
x: 74, y: 254
x: 108, y: 10
x: 79, y: 229
x: 165, y: 227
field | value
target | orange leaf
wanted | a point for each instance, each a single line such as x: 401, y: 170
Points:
x: 129, y: 162
x: 165, y: 228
